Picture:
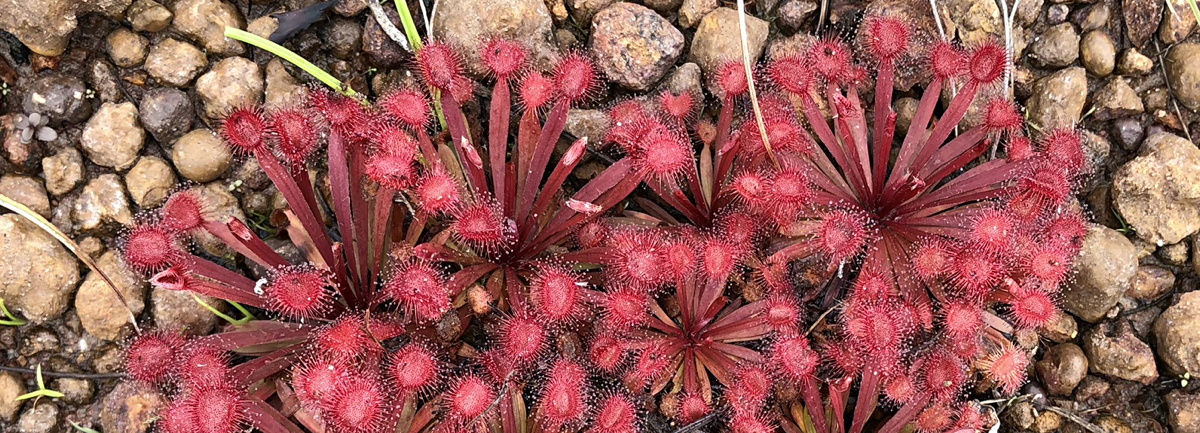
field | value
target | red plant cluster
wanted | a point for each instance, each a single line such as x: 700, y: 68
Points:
x: 461, y: 289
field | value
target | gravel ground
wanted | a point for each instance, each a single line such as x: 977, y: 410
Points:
x: 126, y: 93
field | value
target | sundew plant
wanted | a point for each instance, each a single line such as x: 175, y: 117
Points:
x: 461, y: 280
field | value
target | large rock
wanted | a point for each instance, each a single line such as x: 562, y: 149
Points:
x: 1141, y: 19
x: 27, y: 191
x: 231, y: 83
x: 166, y: 113
x: 468, y: 23
x: 204, y: 21
x: 61, y: 98
x: 1062, y: 368
x: 1058, y: 46
x: 100, y: 310
x: 1158, y: 193
x: 634, y: 45
x: 1098, y: 53
x: 1116, y: 99
x: 1183, y: 73
x: 718, y: 39
x: 11, y: 387
x: 102, y: 205
x: 1183, y: 412
x: 1115, y: 350
x: 1057, y: 99
x: 149, y: 181
x: 37, y: 274
x: 175, y: 62
x: 177, y: 310
x: 63, y: 170
x: 1177, y: 23
x: 1177, y: 331
x: 201, y: 156
x: 113, y: 136
x: 1104, y: 271
x: 45, y: 25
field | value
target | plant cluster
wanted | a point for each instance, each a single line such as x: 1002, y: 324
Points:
x: 461, y: 289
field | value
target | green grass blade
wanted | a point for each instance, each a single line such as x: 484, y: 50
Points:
x: 291, y: 57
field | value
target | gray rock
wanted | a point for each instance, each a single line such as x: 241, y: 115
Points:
x: 1057, y: 14
x: 383, y: 50
x: 148, y: 16
x: 42, y: 418
x: 63, y: 170
x: 27, y: 191
x: 718, y: 39
x: 793, y: 13
x: 686, y: 78
x: 283, y: 90
x: 75, y: 391
x: 634, y: 45
x: 173, y: 309
x: 131, y: 407
x: 1094, y: 17
x: 584, y: 10
x: 1158, y: 193
x: 100, y: 310
x: 102, y: 205
x: 1183, y: 73
x: 1062, y: 368
x: 1103, y: 273
x: 692, y: 11
x: 1141, y: 19
x: 1056, y: 47
x: 204, y: 22
x: 46, y: 26
x: 1177, y: 26
x: 113, y: 137
x: 201, y: 156
x: 1128, y: 132
x: 166, y: 113
x: 126, y: 48
x: 232, y: 83
x: 11, y: 386
x: 343, y: 36
x: 467, y: 23
x: 149, y: 181
x: 1098, y: 53
x: 1177, y: 332
x: 1116, y: 351
x: 37, y: 274
x: 1183, y: 412
x: 1116, y: 99
x: 1057, y: 99
x: 61, y: 98
x: 174, y: 62
x: 1133, y: 62
x: 103, y: 78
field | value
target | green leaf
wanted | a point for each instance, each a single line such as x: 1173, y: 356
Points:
x: 291, y: 57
